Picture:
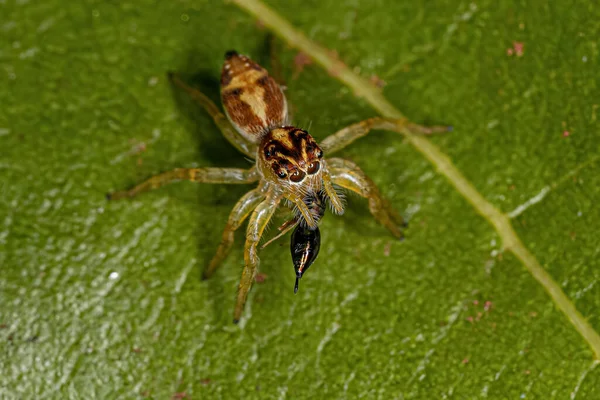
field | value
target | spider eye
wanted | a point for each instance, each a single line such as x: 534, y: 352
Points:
x: 319, y: 153
x: 313, y: 167
x: 297, y: 176
x: 281, y: 174
x: 270, y: 151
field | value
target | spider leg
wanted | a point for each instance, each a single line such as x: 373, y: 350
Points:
x: 238, y: 214
x: 349, y: 176
x: 276, y: 70
x: 258, y: 221
x: 203, y: 175
x: 274, y: 59
x: 349, y: 134
x: 237, y: 140
x: 283, y: 229
x: 298, y: 201
x: 334, y: 198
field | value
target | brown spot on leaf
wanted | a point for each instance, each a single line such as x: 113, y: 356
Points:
x: 300, y: 61
x: 519, y: 48
x: 338, y: 65
x: 387, y: 249
x: 572, y: 235
x: 377, y: 81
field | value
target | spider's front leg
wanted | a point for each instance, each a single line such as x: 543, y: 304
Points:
x: 202, y: 175
x: 258, y: 221
x: 349, y: 176
x: 238, y: 214
x: 349, y: 134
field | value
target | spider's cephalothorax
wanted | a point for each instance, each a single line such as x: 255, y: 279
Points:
x: 290, y: 153
x: 290, y: 158
x: 289, y: 165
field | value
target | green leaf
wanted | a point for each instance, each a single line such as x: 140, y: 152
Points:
x: 104, y: 300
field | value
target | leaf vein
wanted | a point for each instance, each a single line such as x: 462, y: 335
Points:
x: 500, y: 221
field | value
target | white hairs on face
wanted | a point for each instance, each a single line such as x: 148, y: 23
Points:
x: 314, y: 196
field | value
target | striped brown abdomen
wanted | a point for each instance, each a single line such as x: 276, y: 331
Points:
x: 253, y: 101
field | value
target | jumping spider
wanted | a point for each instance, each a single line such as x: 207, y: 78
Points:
x: 289, y: 165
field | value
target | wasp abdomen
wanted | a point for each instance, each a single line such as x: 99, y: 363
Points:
x: 305, y: 245
x: 305, y: 242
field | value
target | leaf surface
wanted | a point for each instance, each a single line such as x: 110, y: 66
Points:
x: 105, y: 299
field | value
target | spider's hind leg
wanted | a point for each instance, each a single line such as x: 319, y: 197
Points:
x: 275, y: 68
x: 237, y: 140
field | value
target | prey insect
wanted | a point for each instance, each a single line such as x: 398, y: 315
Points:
x: 289, y: 166
x: 305, y: 242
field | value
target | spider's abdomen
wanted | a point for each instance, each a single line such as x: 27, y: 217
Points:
x: 253, y: 101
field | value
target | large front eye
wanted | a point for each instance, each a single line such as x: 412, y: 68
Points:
x: 297, y: 176
x: 313, y: 167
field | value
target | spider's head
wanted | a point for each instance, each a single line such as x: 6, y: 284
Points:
x: 290, y: 156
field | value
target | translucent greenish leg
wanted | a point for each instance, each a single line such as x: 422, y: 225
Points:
x: 301, y: 206
x: 237, y: 140
x: 202, y: 175
x: 275, y: 69
x: 336, y: 201
x: 240, y: 212
x: 349, y: 134
x: 258, y: 221
x: 349, y: 176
